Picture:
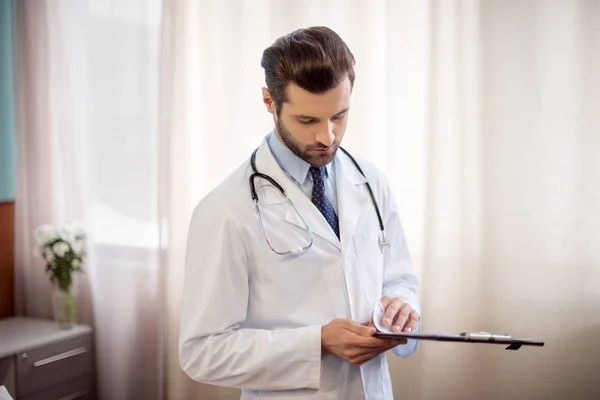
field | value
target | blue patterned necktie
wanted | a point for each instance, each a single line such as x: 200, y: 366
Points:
x: 320, y: 200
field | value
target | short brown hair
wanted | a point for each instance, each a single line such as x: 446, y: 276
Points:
x: 316, y: 59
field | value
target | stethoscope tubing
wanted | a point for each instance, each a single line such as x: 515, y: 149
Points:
x: 255, y: 174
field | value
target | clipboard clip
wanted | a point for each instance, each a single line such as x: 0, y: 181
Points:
x: 485, y: 335
x: 492, y: 337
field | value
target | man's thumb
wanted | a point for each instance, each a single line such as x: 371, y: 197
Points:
x: 368, y: 323
x: 363, y: 329
x: 369, y: 330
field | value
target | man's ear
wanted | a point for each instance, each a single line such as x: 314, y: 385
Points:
x: 268, y: 100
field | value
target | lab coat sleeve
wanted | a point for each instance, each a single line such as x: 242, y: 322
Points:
x: 214, y: 345
x: 399, y: 279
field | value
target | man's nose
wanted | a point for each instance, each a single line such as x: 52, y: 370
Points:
x: 325, y: 134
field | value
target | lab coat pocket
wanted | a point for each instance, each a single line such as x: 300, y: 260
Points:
x: 370, y: 264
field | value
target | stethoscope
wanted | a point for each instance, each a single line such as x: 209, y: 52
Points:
x: 383, y: 241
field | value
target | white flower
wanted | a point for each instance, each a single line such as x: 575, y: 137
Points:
x: 66, y: 234
x: 45, y: 234
x: 60, y: 248
x: 77, y: 247
x: 69, y: 236
x: 76, y: 263
x: 49, y: 255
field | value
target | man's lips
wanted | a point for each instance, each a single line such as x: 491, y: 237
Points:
x: 320, y: 149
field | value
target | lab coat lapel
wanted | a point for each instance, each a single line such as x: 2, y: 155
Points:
x: 266, y: 163
x: 352, y: 197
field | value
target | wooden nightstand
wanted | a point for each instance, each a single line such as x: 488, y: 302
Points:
x: 38, y: 361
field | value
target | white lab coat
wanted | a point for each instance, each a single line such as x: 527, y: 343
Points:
x: 251, y: 319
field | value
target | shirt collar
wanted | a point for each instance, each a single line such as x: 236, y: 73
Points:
x: 296, y: 167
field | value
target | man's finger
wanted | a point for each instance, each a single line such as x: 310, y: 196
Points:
x: 373, y: 342
x: 368, y: 323
x: 412, y: 323
x: 391, y: 311
x: 403, y: 316
x: 365, y: 357
x: 385, y: 301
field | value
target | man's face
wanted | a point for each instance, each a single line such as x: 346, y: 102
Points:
x: 312, y: 125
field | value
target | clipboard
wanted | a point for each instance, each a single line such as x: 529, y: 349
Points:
x: 477, y: 337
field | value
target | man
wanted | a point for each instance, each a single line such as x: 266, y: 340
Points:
x: 280, y: 303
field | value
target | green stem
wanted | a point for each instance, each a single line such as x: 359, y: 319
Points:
x: 71, y: 307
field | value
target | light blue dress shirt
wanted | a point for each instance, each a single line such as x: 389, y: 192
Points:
x: 297, y: 169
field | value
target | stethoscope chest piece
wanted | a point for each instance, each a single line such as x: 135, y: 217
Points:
x: 383, y: 241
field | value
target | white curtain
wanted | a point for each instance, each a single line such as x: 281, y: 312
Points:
x: 87, y: 85
x: 482, y: 113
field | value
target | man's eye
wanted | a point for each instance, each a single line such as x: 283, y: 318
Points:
x: 306, y: 121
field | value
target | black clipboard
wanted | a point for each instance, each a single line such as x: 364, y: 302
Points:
x: 478, y: 337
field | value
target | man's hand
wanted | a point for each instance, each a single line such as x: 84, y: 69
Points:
x: 353, y: 342
x: 400, y: 314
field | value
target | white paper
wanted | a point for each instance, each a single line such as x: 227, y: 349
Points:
x: 378, y: 314
x: 4, y: 395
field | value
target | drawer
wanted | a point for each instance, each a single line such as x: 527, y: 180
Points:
x: 78, y: 390
x: 53, y: 365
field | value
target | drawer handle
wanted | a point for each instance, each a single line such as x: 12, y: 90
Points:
x: 75, y: 395
x: 61, y: 356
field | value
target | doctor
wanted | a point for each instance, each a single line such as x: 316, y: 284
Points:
x: 279, y: 302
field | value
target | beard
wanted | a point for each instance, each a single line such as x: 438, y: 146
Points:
x: 314, y: 159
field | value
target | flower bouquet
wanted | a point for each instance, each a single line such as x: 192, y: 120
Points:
x: 63, y: 249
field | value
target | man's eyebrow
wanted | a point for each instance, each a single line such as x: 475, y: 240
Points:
x: 342, y: 112
x: 311, y: 117
x: 305, y: 116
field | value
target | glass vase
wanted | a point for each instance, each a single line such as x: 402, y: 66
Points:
x: 64, y: 307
